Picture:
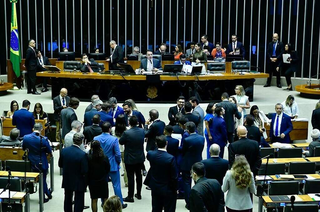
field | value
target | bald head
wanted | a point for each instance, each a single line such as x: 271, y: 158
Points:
x: 275, y: 37
x: 63, y: 92
x: 214, y: 150
x: 154, y: 114
x: 242, y: 132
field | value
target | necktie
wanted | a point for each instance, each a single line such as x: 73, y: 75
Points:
x: 274, y: 49
x: 150, y: 61
x: 234, y: 46
x: 90, y: 69
x: 63, y: 102
x: 277, y: 126
x: 40, y: 61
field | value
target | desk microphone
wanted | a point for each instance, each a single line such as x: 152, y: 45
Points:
x: 268, y: 156
x: 292, y: 199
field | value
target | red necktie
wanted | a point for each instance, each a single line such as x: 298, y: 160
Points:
x: 90, y: 69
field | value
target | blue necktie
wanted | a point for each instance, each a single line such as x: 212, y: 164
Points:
x: 63, y: 102
x: 277, y: 126
x: 274, y: 49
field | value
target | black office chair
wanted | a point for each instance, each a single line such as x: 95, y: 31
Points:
x: 316, y: 151
x: 264, y: 151
x: 273, y: 168
x: 18, y: 165
x: 312, y: 186
x: 15, y: 183
x: 311, y: 207
x: 283, y: 187
x: 290, y: 153
x: 302, y: 168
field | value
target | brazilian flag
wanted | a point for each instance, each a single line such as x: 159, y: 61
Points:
x: 15, y: 54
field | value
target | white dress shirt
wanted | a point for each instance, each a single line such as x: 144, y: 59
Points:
x: 279, y: 125
x: 292, y: 110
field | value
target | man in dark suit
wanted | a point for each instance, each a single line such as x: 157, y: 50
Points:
x: 88, y: 65
x: 162, y: 50
x: 95, y: 110
x: 173, y: 144
x: 38, y: 148
x: 12, y: 140
x: 216, y: 167
x: 179, y: 108
x: 42, y: 61
x: 198, y: 111
x: 116, y: 56
x: 154, y: 127
x: 24, y: 119
x: 74, y: 162
x: 315, y: 118
x: 274, y: 54
x: 31, y: 65
x: 150, y: 64
x: 247, y: 147
x: 205, y: 42
x: 231, y: 111
x: 105, y: 115
x: 281, y: 126
x: 253, y: 131
x: 177, y: 128
x: 68, y: 115
x: 60, y: 102
x: 206, y: 194
x: 133, y: 140
x: 115, y: 110
x: 90, y: 132
x: 162, y: 177
x: 90, y: 106
x: 189, y: 115
x: 236, y: 47
x: 191, y: 153
x: 128, y: 112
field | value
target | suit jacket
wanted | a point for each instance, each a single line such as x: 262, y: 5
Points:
x: 117, y: 56
x: 200, y: 113
x: 194, y: 118
x: 84, y: 67
x: 294, y: 65
x: 57, y: 107
x: 211, y: 46
x: 206, y: 195
x: 279, y: 51
x: 156, y: 64
x: 172, y: 146
x: 216, y: 168
x: 110, y: 146
x: 219, y: 129
x: 239, y: 46
x: 119, y: 110
x: 177, y: 129
x: 45, y: 61
x: 74, y: 162
x: 24, y: 121
x: 141, y: 120
x: 315, y: 119
x: 37, y: 149
x: 89, y: 115
x: 254, y: 133
x: 191, y: 151
x: 104, y: 116
x: 31, y: 62
x: 286, y: 127
x: 133, y: 140
x: 250, y: 149
x: 172, y: 114
x: 152, y: 131
x: 67, y: 117
x: 162, y: 175
x: 231, y: 111
x: 90, y: 132
x: 190, y: 52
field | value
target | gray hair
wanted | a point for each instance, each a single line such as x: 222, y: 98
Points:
x: 37, y: 126
x: 94, y: 97
x: 113, y: 100
x: 78, y: 138
x: 113, y: 42
x: 14, y: 133
x: 214, y: 150
x: 76, y: 124
x: 136, y: 48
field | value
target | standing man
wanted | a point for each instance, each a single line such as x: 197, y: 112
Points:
x: 60, y: 102
x: 162, y: 177
x: 105, y: 114
x: 274, y: 54
x: 115, y: 110
x: 236, y: 47
x: 68, y: 115
x: 116, y: 56
x: 74, y: 162
x: 95, y: 110
x: 93, y: 99
x: 92, y: 131
x: 24, y: 119
x: 128, y: 112
x: 68, y: 139
x: 191, y: 153
x: 172, y: 143
x: 31, y: 65
x: 179, y: 108
x: 193, y: 117
x: 206, y: 194
x: 205, y: 42
x: 154, y: 127
x: 281, y: 126
x: 38, y: 147
x: 133, y: 140
x: 197, y: 110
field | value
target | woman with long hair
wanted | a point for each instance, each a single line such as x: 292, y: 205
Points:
x: 290, y: 107
x: 38, y: 112
x: 14, y: 106
x: 99, y: 168
x: 199, y: 56
x: 178, y: 52
x: 260, y: 119
x: 239, y: 182
x: 208, y: 131
x: 113, y: 204
x: 242, y: 99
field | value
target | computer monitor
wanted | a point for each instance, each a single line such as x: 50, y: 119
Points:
x: 231, y: 57
x: 167, y: 57
x: 127, y: 68
x: 301, y: 208
x: 132, y: 57
x: 97, y: 56
x: 196, y: 70
x: 67, y: 56
x: 172, y: 68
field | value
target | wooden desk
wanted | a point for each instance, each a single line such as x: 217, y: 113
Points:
x: 299, y: 132
x: 60, y: 64
x: 304, y: 198
x: 9, y: 153
x: 5, y: 87
x: 283, y: 160
x: 305, y: 90
x: 301, y: 145
x: 34, y: 176
x: 7, y: 126
x: 313, y: 159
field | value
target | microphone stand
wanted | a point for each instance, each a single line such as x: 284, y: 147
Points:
x: 9, y: 187
x: 41, y: 194
x: 261, y: 188
x: 26, y: 184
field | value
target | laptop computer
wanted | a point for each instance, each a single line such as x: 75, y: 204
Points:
x: 196, y: 70
x: 127, y: 69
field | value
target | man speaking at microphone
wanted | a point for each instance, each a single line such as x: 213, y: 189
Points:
x: 38, y: 147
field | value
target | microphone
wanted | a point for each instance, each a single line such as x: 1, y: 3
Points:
x: 9, y: 170
x: 292, y: 199
x: 268, y: 156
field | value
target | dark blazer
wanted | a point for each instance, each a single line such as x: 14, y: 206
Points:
x: 156, y: 64
x: 254, y: 133
x: 210, y: 45
x: 67, y: 117
x: 172, y: 146
x: 279, y: 51
x: 57, y: 107
x: 177, y: 129
x: 162, y: 175
x: 172, y: 114
x: 74, y: 162
x: 194, y: 118
x: 286, y: 128
x: 315, y: 119
x: 84, y: 67
x: 231, y: 111
x: 219, y: 135
x: 250, y: 149
x: 89, y: 115
x: 119, y: 110
x: 152, y: 132
x: 191, y: 151
x: 141, y: 120
x: 104, y: 116
x: 133, y: 140
x: 24, y: 121
x: 206, y: 195
x: 90, y: 132
x: 216, y: 168
x: 294, y: 65
x: 45, y: 62
x: 117, y: 57
x: 31, y: 62
x: 239, y: 46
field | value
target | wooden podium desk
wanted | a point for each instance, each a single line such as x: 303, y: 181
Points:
x: 299, y: 132
x: 313, y: 159
x: 274, y: 178
x: 302, y: 198
x: 34, y: 176
x: 7, y: 126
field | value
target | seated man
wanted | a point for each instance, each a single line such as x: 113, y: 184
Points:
x: 87, y: 65
x: 162, y: 50
x: 150, y: 64
x: 315, y: 135
x: 136, y: 52
x: 183, y: 61
x: 11, y: 140
x: 191, y: 51
x: 218, y: 53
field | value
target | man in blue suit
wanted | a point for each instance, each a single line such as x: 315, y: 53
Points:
x: 110, y: 146
x: 74, y: 162
x: 173, y: 144
x: 105, y: 115
x: 219, y: 129
x: 236, y: 47
x: 162, y: 177
x: 205, y: 42
x: 183, y: 61
x: 95, y: 110
x: 128, y: 112
x: 150, y: 64
x: 191, y: 153
x: 38, y: 147
x: 115, y: 110
x: 23, y: 119
x: 154, y: 127
x: 281, y: 126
